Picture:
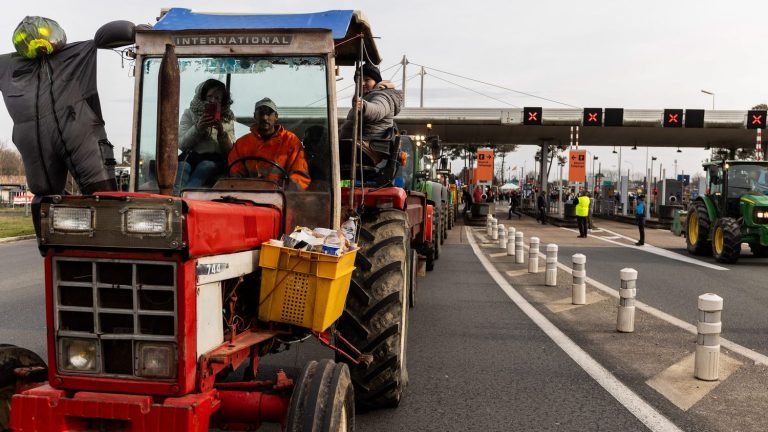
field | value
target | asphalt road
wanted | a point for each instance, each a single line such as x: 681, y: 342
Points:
x: 475, y: 361
x: 22, y: 304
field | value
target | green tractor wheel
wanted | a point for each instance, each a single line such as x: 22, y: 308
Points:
x: 726, y: 240
x: 697, y: 235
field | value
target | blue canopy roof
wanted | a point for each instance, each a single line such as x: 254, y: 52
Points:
x: 337, y: 21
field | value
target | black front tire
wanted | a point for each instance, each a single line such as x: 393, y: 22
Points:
x: 376, y: 313
x: 726, y: 240
x: 323, y: 399
x: 12, y: 357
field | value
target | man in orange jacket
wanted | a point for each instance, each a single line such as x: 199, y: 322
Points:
x: 271, y: 141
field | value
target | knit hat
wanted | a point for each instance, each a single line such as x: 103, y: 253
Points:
x: 371, y: 71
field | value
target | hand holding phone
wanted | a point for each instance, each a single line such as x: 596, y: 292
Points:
x: 213, y: 110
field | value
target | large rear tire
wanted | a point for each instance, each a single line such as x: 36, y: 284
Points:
x: 697, y: 237
x: 726, y: 240
x: 437, y: 228
x: 444, y: 214
x: 323, y: 399
x: 376, y: 313
x: 413, y: 270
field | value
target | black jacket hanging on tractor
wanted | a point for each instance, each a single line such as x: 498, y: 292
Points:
x: 57, y: 119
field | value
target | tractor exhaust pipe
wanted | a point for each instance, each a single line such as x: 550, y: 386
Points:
x: 167, y: 122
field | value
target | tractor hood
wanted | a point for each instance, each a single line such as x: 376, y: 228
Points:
x: 756, y: 200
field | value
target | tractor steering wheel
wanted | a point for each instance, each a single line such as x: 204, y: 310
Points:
x: 284, y: 178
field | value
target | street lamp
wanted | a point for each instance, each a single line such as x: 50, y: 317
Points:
x: 594, y: 176
x: 713, y: 97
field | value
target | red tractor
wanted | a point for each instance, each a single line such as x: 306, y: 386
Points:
x: 160, y: 305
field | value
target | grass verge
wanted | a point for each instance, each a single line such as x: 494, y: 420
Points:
x: 14, y: 223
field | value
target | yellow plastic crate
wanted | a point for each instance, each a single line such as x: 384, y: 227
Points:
x: 307, y: 289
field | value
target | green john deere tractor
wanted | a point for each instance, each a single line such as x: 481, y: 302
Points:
x: 733, y: 211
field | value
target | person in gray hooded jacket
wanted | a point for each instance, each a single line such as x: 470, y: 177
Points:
x: 380, y: 104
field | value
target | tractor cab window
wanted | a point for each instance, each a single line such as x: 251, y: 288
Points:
x: 297, y: 87
x: 746, y: 179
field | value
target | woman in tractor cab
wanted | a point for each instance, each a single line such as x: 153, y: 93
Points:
x: 206, y: 134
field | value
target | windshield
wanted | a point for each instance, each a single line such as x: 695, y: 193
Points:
x: 747, y: 179
x: 211, y: 123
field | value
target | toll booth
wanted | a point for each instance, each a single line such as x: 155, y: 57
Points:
x: 668, y: 198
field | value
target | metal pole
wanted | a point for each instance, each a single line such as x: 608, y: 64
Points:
x: 620, y: 169
x: 404, y: 63
x: 561, y: 205
x: 421, y: 99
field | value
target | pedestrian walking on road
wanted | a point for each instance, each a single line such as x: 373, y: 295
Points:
x: 640, y: 218
x: 514, y: 205
x: 467, y: 198
x: 582, y: 211
x: 541, y: 205
x: 477, y: 195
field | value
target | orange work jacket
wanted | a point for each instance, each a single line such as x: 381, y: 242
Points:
x: 283, y: 147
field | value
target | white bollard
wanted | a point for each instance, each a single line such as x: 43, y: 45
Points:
x: 502, y: 236
x: 707, y: 363
x: 519, y: 254
x: 626, y: 317
x: 488, y: 223
x: 579, y: 290
x: 533, y: 255
x: 511, y: 241
x: 550, y: 277
x: 495, y: 229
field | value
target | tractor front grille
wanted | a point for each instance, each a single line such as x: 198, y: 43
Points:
x: 117, y: 303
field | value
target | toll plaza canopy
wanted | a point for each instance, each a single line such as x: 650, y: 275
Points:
x: 598, y: 127
x: 607, y: 127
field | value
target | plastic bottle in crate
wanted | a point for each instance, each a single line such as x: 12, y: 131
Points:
x: 332, y: 245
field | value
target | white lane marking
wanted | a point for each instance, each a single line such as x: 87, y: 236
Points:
x: 644, y: 412
x: 654, y: 250
x: 690, y: 328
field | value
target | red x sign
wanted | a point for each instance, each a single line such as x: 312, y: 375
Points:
x: 673, y: 118
x: 592, y: 117
x: 757, y: 119
x: 532, y: 116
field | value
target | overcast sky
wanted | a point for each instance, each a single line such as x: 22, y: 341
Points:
x: 641, y: 54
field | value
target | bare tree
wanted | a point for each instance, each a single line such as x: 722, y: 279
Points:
x: 10, y: 160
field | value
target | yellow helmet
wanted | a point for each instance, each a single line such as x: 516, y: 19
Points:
x: 37, y: 35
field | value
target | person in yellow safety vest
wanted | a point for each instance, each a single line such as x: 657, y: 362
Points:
x: 582, y: 211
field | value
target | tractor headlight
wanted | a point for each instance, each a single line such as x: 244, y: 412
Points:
x: 79, y: 355
x: 761, y: 216
x: 72, y: 219
x: 146, y: 221
x: 156, y: 360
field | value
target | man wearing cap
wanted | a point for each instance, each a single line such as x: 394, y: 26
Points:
x: 270, y: 140
x: 379, y: 105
